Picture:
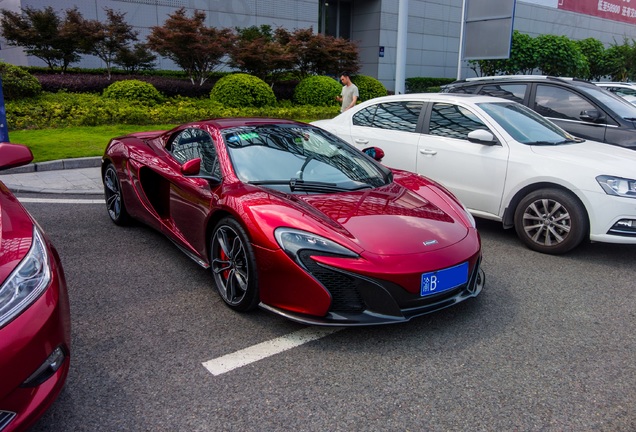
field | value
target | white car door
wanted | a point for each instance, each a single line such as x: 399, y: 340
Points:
x: 390, y: 126
x: 474, y: 172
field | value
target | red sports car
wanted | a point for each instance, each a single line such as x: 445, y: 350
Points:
x: 35, y: 335
x: 294, y: 220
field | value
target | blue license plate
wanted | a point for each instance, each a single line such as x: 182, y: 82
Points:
x: 444, y: 280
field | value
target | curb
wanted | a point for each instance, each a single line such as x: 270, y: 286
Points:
x: 85, y: 162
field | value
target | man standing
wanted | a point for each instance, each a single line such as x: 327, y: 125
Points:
x: 349, y: 94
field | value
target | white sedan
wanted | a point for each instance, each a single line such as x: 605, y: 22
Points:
x: 505, y: 163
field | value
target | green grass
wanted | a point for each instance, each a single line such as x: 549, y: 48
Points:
x: 73, y: 142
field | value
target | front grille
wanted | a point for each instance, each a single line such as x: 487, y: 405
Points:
x: 343, y: 288
x: 5, y: 418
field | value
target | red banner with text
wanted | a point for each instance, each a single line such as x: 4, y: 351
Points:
x: 617, y: 10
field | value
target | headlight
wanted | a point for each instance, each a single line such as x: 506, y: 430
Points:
x: 293, y: 241
x: 470, y: 217
x: 617, y: 186
x: 25, y: 284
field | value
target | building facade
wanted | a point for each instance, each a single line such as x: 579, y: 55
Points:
x: 433, y: 37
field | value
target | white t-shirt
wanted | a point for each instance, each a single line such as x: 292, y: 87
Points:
x: 347, y: 93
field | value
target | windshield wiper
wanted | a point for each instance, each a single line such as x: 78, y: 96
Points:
x: 554, y: 143
x: 299, y: 185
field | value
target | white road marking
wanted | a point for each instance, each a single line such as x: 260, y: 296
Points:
x: 266, y: 349
x: 62, y: 201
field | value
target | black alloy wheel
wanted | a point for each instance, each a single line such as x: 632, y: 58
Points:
x: 114, y: 198
x: 234, y: 266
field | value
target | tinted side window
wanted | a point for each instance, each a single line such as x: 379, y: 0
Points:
x: 399, y: 116
x: 194, y: 143
x: 364, y: 117
x: 561, y: 103
x: 453, y: 121
x: 515, y: 92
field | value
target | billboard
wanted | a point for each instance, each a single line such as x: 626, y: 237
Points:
x: 616, y: 10
x: 487, y: 29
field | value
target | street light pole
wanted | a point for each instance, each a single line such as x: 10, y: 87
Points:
x: 400, y: 55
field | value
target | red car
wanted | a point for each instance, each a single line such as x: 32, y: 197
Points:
x: 35, y: 326
x: 294, y: 220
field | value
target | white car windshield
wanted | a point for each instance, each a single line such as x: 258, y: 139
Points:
x: 525, y: 125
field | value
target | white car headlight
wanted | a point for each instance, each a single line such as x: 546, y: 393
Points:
x: 617, y: 186
x: 27, y: 281
x: 293, y: 241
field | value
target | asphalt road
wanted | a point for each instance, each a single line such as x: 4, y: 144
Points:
x: 550, y: 345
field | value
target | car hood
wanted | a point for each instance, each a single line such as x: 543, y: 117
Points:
x: 16, y: 232
x: 601, y: 158
x: 391, y: 220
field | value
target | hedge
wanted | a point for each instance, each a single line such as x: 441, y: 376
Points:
x: 75, y: 109
x: 424, y: 84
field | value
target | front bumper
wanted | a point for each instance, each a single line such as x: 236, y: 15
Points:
x: 358, y: 300
x: 26, y: 345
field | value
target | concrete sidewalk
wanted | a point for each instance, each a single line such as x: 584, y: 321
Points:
x: 68, y: 176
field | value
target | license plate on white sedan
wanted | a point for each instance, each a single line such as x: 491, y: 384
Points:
x: 444, y: 280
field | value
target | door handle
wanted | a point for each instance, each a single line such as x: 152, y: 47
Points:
x: 361, y: 141
x: 428, y: 152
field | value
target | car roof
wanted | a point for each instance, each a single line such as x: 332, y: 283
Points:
x: 438, y: 97
x: 564, y: 80
x: 616, y: 84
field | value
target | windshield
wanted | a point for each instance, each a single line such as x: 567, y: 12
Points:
x: 525, y: 125
x: 299, y: 158
x: 614, y: 102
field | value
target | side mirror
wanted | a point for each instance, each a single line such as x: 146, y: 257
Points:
x: 14, y: 155
x: 191, y: 167
x: 481, y: 136
x: 375, y: 152
x: 592, y: 115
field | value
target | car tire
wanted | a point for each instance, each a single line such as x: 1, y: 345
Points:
x: 551, y: 221
x: 233, y: 266
x: 114, y: 197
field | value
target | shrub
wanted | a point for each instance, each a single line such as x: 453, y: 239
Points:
x: 133, y: 90
x: 318, y: 90
x: 242, y: 90
x: 368, y: 87
x: 18, y: 83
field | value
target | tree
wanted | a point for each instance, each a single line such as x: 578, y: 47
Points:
x: 44, y: 35
x: 108, y: 39
x: 594, y: 52
x: 621, y: 60
x: 560, y: 56
x: 522, y: 59
x: 340, y: 55
x: 523, y: 55
x: 135, y: 59
x: 257, y: 51
x: 319, y: 54
x: 197, y: 49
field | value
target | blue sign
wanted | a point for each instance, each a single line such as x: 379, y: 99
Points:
x: 381, y: 51
x: 4, y: 131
